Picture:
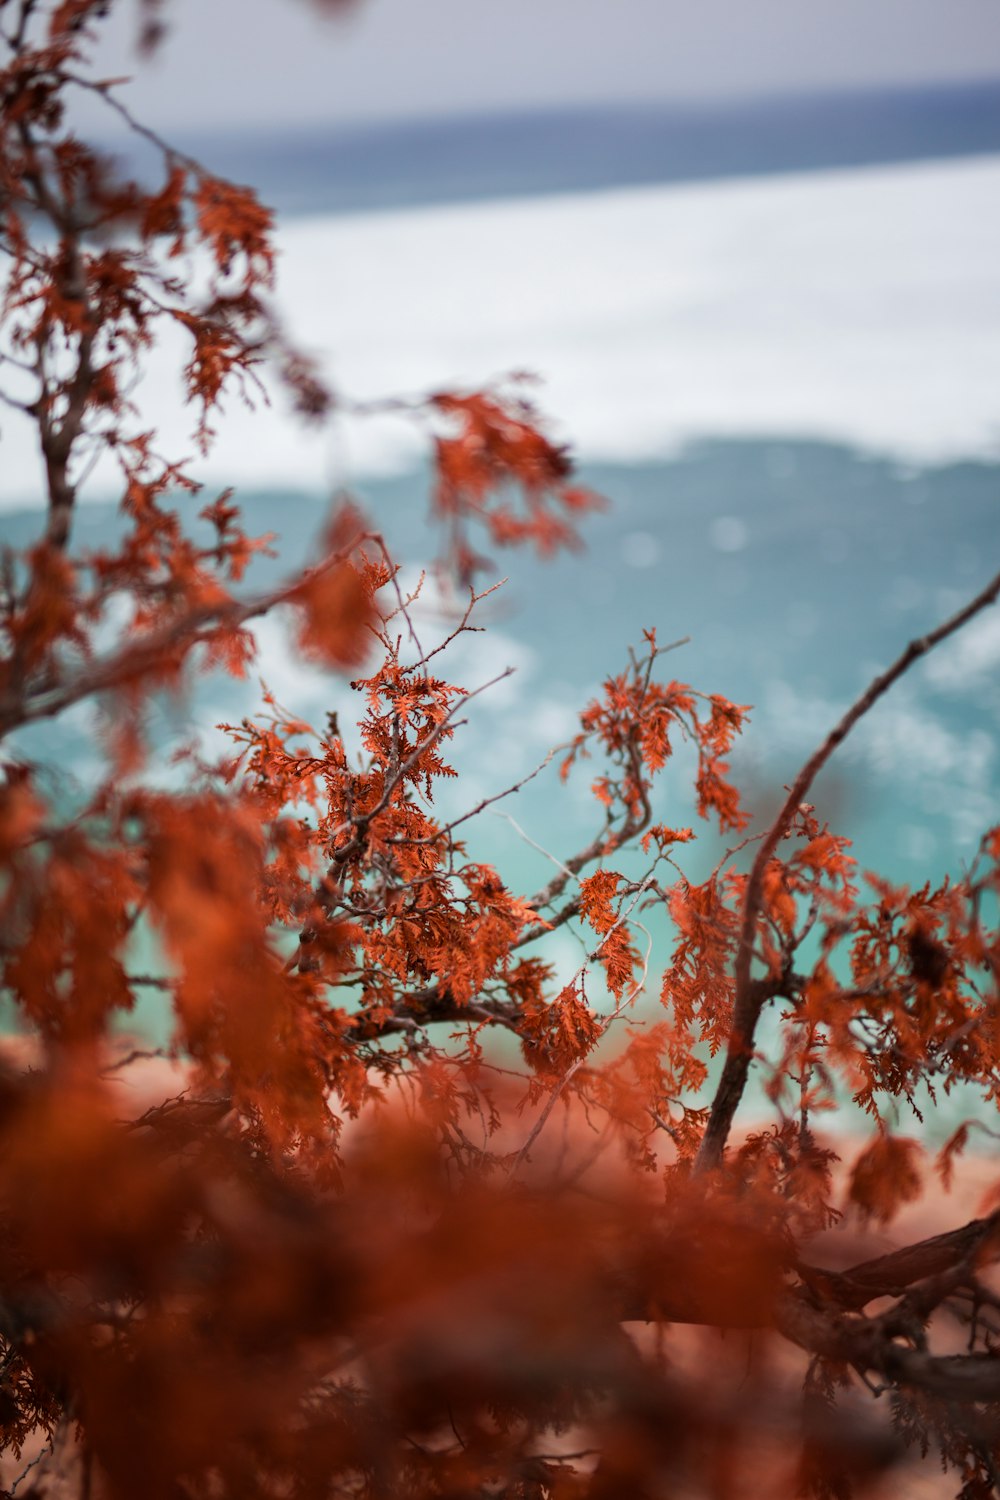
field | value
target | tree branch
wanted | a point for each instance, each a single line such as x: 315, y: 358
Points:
x: 748, y: 1002
x: 133, y: 661
x: 889, y: 1275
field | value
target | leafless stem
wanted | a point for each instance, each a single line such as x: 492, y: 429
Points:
x: 133, y: 661
x: 749, y: 999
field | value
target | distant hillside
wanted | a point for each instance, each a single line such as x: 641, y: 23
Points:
x: 460, y: 158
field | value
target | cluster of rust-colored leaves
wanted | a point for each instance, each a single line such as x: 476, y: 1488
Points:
x: 416, y: 1217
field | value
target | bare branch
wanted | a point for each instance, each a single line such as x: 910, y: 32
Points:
x: 890, y: 1275
x: 748, y: 999
x: 152, y: 651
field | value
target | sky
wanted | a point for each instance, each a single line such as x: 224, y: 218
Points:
x: 252, y: 63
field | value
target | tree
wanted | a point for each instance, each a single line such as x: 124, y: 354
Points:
x: 422, y: 1219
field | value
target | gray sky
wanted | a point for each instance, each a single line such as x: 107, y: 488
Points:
x: 260, y: 62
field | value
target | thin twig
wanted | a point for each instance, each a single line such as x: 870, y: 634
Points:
x: 116, y: 668
x: 45, y: 1452
x: 542, y: 1120
x: 749, y: 1000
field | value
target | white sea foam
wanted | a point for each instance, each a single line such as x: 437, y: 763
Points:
x: 859, y: 305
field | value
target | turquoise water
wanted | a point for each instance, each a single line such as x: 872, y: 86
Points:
x: 797, y: 570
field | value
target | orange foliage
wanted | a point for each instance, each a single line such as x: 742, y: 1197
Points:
x: 886, y: 1176
x: 427, y: 1215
